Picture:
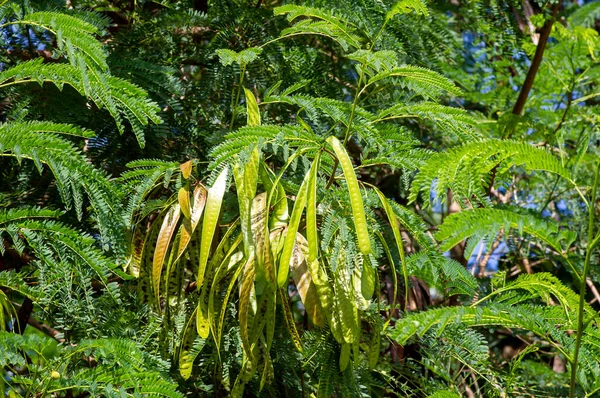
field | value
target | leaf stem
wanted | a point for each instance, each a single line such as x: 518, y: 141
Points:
x: 582, y: 287
x: 234, y: 103
x: 358, y: 91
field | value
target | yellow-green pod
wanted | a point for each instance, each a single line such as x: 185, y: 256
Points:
x: 212, y: 212
x: 358, y: 210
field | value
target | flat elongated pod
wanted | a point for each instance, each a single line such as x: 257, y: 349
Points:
x: 304, y: 283
x: 290, y: 234
x: 211, y: 219
x: 311, y: 211
x: 183, y: 196
x: 252, y: 108
x: 189, y: 224
x: 358, y: 210
x: 187, y: 351
x: 167, y: 230
x: 397, y: 238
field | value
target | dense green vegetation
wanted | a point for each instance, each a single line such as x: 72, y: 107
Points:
x: 299, y: 198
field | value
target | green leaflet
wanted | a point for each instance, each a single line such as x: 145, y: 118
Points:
x: 344, y: 356
x: 408, y: 6
x: 290, y: 236
x: 252, y: 108
x: 164, y: 238
x: 358, y: 210
x: 209, y: 225
x: 397, y: 238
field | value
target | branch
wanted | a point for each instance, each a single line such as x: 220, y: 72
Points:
x: 535, y: 62
x: 50, y: 331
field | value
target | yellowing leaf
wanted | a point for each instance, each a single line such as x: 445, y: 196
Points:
x: 136, y: 248
x: 259, y: 230
x: 289, y: 319
x: 146, y: 262
x: 358, y: 210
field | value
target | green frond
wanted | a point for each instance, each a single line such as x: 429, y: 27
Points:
x: 534, y: 319
x: 466, y: 169
x: 487, y: 222
x: 71, y: 33
x: 73, y: 173
x: 407, y: 6
x: 243, y: 58
x: 423, y: 81
x: 319, y: 22
x: 53, y: 240
x: 544, y: 286
x: 442, y: 273
x: 455, y: 120
x: 586, y: 15
x: 278, y: 137
x: 374, y: 62
x: 122, y: 99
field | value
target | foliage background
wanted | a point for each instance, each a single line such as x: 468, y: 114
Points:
x: 483, y: 263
